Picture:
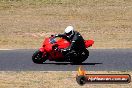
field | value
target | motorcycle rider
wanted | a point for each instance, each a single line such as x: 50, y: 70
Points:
x: 75, y: 38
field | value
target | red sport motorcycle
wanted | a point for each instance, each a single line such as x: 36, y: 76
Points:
x: 49, y: 51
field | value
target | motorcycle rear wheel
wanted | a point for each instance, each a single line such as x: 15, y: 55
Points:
x: 38, y: 57
x: 84, y: 55
x: 80, y: 57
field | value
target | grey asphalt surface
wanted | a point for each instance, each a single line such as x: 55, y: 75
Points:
x: 99, y: 60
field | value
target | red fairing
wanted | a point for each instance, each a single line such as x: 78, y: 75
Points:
x: 44, y: 45
x: 46, y: 41
x: 48, y: 47
x: 62, y: 43
x: 88, y: 43
x: 41, y: 49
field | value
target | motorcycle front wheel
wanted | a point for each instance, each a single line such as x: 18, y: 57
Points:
x: 38, y: 57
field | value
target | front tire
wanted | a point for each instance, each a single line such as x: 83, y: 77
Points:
x: 38, y: 57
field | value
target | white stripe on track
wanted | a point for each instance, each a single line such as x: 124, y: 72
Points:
x: 7, y: 49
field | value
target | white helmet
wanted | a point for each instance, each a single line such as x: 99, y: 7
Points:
x: 69, y: 31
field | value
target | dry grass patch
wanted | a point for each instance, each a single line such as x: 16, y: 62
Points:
x: 108, y: 22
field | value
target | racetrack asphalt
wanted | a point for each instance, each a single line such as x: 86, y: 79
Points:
x: 99, y: 60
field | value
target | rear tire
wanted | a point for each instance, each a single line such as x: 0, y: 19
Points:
x: 38, y: 57
x: 80, y: 57
x: 84, y: 55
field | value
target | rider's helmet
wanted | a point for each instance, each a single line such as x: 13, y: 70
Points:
x: 69, y: 31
